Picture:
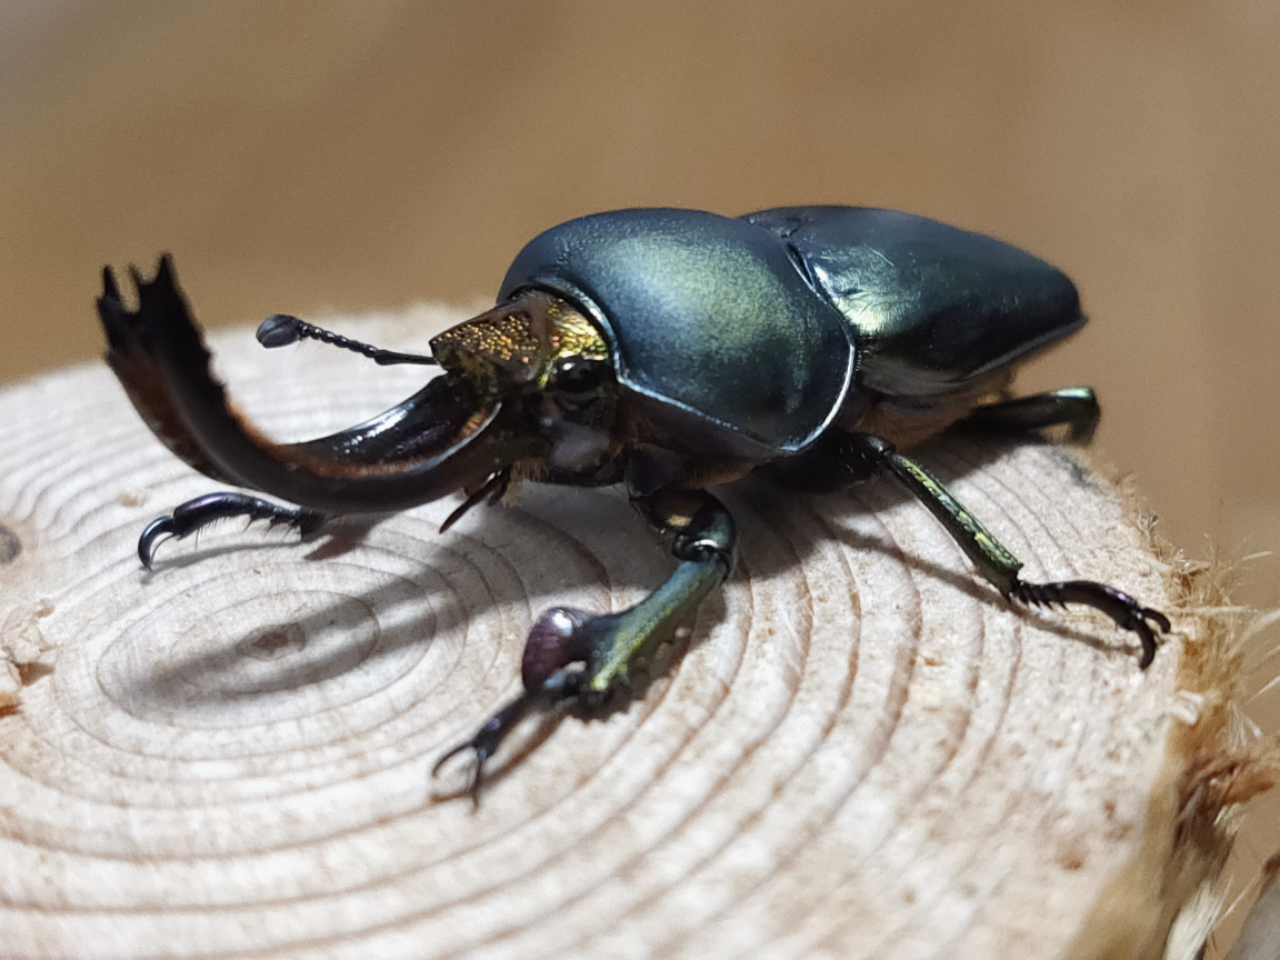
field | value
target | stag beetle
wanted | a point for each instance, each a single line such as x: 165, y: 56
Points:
x: 668, y: 350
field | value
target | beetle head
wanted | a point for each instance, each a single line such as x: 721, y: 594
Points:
x: 540, y: 354
x: 527, y: 391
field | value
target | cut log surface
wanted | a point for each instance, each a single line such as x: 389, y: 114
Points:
x: 858, y: 750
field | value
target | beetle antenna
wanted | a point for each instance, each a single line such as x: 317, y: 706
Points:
x: 280, y: 329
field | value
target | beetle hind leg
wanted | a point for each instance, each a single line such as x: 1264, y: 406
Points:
x: 189, y: 517
x: 571, y: 656
x: 1073, y: 407
x: 998, y: 565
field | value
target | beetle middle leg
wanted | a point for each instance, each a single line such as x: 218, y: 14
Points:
x: 189, y: 517
x: 571, y: 655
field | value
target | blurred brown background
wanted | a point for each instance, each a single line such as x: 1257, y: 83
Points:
x: 339, y: 157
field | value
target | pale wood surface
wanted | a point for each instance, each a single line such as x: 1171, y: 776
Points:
x: 861, y: 752
x: 342, y: 154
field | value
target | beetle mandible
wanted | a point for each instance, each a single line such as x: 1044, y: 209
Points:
x: 668, y: 350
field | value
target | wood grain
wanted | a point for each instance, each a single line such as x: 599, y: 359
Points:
x: 857, y: 751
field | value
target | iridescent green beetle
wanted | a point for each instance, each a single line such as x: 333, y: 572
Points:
x: 668, y: 350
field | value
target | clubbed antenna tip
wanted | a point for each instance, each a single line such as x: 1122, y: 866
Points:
x: 279, y: 330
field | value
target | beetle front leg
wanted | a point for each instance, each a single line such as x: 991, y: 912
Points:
x: 189, y: 517
x: 573, y: 656
x: 999, y: 566
x: 702, y: 537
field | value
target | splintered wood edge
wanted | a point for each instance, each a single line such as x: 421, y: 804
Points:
x: 1167, y: 901
x: 78, y: 474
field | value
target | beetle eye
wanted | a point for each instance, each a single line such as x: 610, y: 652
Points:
x: 578, y: 375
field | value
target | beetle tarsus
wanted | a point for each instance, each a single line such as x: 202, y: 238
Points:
x: 1127, y: 612
x: 560, y: 687
x: 156, y: 532
x: 195, y: 514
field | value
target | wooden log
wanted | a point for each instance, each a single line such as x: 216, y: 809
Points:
x: 857, y: 751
